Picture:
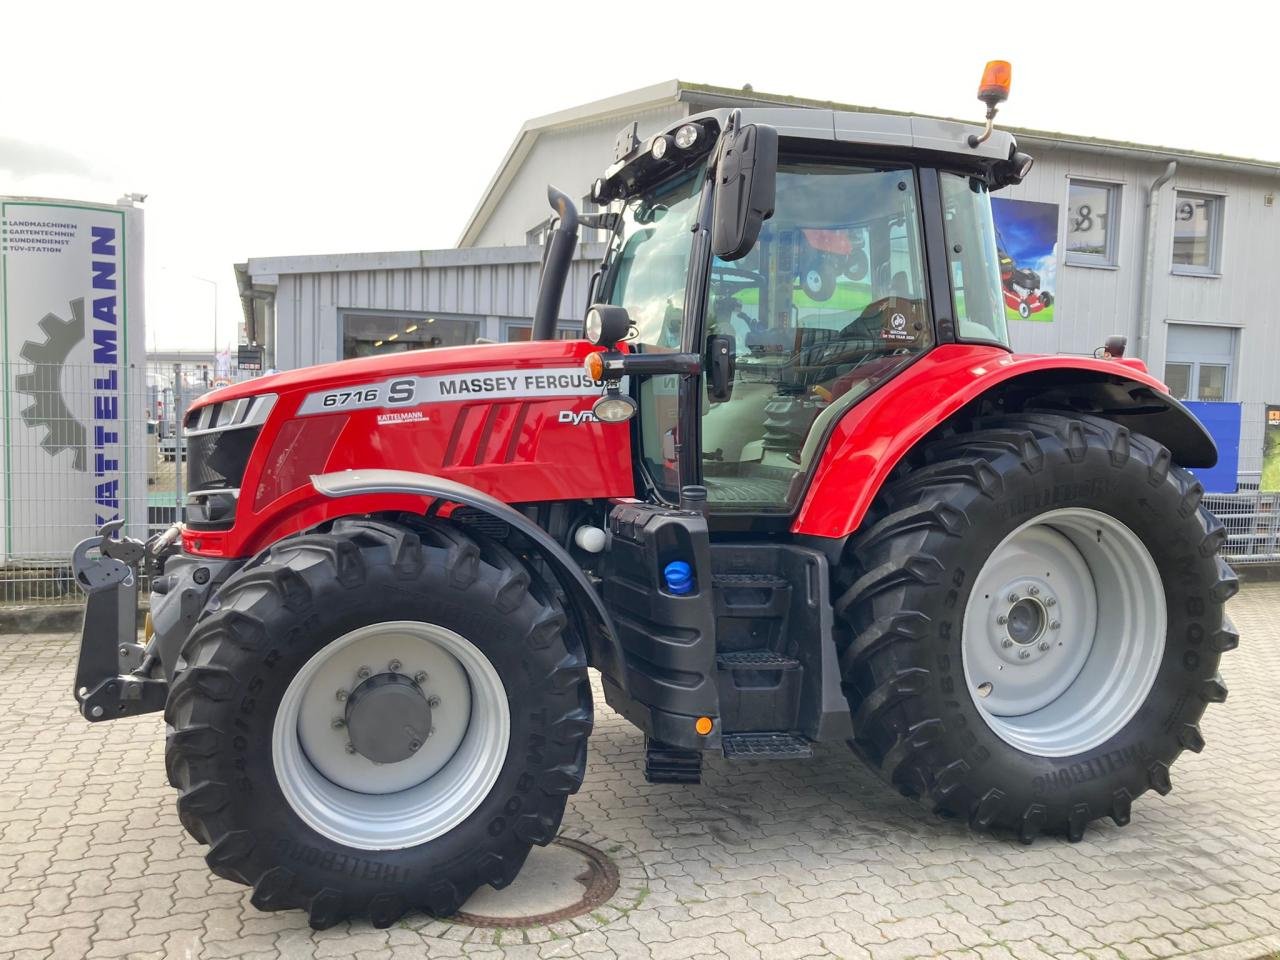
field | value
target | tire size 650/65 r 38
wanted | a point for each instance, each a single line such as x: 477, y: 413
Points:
x: 1035, y: 614
x: 376, y: 718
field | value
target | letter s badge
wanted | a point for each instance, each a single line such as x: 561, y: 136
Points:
x: 402, y: 391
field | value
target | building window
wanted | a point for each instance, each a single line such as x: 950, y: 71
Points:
x: 366, y: 334
x: 1199, y: 360
x: 1093, y: 223
x: 1197, y: 233
x: 514, y: 331
x: 534, y: 236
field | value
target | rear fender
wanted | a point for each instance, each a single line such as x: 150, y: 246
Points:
x: 956, y: 381
x: 601, y: 639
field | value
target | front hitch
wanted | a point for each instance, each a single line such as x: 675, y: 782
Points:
x: 112, y: 673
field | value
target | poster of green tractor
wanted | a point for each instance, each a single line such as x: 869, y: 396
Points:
x: 1027, y: 244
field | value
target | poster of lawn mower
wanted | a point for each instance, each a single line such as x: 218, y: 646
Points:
x: 1027, y: 245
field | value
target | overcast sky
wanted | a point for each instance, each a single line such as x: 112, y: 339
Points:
x: 267, y: 130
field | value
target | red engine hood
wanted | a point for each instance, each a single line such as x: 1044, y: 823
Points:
x: 473, y: 357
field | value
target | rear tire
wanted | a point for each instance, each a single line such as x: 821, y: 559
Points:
x: 273, y: 810
x: 909, y: 666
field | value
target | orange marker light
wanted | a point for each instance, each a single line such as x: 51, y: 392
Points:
x: 594, y: 366
x: 702, y: 725
x: 996, y: 79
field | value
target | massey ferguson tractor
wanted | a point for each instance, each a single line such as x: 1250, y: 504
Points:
x: 767, y: 520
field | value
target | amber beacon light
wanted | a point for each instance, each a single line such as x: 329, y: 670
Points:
x: 993, y: 91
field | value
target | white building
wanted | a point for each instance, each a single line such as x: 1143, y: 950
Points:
x: 1175, y: 249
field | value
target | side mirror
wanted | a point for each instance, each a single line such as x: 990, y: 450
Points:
x: 746, y: 180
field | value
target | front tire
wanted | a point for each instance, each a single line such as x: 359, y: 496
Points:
x: 377, y: 718
x: 1046, y: 732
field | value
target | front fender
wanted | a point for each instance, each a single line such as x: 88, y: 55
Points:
x: 604, y: 651
x: 868, y: 441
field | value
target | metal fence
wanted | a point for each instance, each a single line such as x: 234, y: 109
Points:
x: 56, y: 448
x: 76, y: 454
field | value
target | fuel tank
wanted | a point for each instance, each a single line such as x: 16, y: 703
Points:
x: 512, y: 420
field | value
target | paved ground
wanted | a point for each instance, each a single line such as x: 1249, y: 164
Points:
x: 773, y: 860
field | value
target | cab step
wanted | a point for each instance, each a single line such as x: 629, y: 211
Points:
x: 765, y: 746
x: 664, y: 763
x: 755, y: 660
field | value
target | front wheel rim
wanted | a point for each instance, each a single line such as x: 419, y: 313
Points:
x: 357, y: 802
x: 1064, y: 632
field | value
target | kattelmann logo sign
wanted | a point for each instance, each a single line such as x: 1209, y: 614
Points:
x: 70, y: 303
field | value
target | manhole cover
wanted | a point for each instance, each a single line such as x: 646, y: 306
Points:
x: 565, y: 879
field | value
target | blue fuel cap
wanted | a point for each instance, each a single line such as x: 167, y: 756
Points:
x: 679, y: 577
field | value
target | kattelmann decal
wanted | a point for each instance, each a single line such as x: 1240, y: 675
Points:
x: 491, y: 385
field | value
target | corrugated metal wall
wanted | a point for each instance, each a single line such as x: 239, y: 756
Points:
x: 308, y: 328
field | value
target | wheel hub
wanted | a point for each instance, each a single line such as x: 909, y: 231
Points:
x: 1063, y: 631
x: 343, y: 741
x: 388, y: 718
x: 1026, y: 624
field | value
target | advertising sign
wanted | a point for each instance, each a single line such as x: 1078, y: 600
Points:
x: 1027, y: 244
x: 1271, y: 450
x: 72, y: 358
x: 1222, y: 420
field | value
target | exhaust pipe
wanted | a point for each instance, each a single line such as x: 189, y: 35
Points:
x: 556, y: 260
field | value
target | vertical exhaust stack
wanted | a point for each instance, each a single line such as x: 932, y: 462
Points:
x: 555, y: 265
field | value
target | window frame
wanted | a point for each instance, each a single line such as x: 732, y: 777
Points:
x: 1195, y: 360
x: 1110, y: 259
x: 1217, y: 204
x: 565, y: 329
x: 419, y: 317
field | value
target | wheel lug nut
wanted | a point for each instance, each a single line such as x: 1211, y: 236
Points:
x: 1002, y: 619
x: 1055, y: 625
x: 1034, y: 591
x: 1050, y: 602
x: 1013, y: 598
x: 338, y: 723
x: 1006, y: 643
x: 433, y: 702
x: 363, y: 673
x: 1044, y: 646
x: 420, y: 677
x: 415, y: 745
x: 394, y: 666
x: 1023, y: 654
x: 341, y: 695
x: 351, y: 748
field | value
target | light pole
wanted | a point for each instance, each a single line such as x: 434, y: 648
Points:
x: 215, y: 316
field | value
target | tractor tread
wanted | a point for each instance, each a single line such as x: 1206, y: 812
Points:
x: 294, y: 576
x: 897, y: 567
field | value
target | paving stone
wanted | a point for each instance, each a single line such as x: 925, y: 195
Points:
x: 782, y: 860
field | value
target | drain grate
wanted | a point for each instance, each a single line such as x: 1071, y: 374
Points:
x: 566, y: 879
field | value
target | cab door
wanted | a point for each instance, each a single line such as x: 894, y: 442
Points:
x: 831, y: 301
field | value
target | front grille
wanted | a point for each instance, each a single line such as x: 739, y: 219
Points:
x: 217, y: 460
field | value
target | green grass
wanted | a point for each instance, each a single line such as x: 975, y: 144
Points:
x: 1044, y: 316
x: 848, y: 295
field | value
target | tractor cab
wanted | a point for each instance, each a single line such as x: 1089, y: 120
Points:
x: 798, y: 259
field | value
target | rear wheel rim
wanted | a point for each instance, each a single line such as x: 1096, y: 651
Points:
x: 349, y: 798
x: 1064, y: 632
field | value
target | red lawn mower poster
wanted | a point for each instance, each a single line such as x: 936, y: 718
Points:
x: 1027, y: 243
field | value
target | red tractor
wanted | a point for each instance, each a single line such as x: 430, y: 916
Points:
x: 768, y: 521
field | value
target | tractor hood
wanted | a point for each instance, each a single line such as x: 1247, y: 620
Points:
x: 473, y: 358
x: 511, y: 420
